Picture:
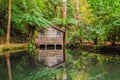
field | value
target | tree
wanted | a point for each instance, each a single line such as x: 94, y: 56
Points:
x: 106, y: 15
x: 55, y: 4
x: 64, y: 9
x: 9, y: 23
x: 77, y: 9
x: 26, y: 18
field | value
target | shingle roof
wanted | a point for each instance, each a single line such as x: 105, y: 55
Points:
x: 55, y: 27
x: 58, y: 28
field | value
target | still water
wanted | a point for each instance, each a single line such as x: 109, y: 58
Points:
x: 80, y: 65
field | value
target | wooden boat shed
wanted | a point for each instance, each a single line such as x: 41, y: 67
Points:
x: 51, y: 41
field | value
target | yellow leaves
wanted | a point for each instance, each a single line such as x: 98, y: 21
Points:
x: 85, y: 11
x: 84, y: 6
x: 101, y: 16
x: 83, y: 76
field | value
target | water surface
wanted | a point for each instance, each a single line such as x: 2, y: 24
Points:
x: 80, y: 65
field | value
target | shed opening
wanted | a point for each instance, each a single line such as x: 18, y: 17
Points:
x: 42, y: 46
x: 50, y: 47
x: 58, y: 46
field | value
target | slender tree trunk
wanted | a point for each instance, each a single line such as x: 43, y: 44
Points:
x: 9, y: 22
x: 55, y: 11
x: 77, y: 20
x: 8, y: 66
x: 64, y: 12
x: 77, y: 9
x: 95, y: 40
x: 113, y: 43
x: 64, y: 9
x: 30, y: 34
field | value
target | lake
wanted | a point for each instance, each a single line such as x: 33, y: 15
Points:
x: 80, y: 65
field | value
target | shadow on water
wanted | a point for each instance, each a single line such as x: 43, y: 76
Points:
x: 19, y: 62
x: 3, y: 69
x: 80, y: 65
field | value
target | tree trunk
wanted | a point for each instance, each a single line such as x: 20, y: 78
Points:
x: 8, y: 66
x: 31, y: 32
x: 77, y: 10
x: 64, y: 9
x: 95, y: 40
x: 113, y: 43
x: 55, y: 11
x: 9, y: 23
x: 63, y: 12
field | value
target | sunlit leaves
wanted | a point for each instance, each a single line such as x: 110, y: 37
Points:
x: 105, y: 19
x: 67, y: 22
x: 85, y: 12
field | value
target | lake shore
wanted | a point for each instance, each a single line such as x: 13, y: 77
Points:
x: 12, y: 48
x: 98, y: 48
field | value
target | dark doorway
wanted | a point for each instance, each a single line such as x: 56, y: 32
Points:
x: 42, y: 47
x: 58, y: 47
x: 50, y: 47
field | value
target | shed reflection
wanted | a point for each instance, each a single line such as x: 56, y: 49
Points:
x: 51, y: 55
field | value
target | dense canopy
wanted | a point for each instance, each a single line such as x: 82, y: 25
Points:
x: 99, y: 20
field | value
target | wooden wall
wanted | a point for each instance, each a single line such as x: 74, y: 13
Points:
x: 51, y: 36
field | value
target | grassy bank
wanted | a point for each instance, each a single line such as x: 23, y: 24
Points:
x: 12, y: 48
x: 98, y: 48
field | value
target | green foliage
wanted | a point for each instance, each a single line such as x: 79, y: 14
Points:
x: 55, y: 2
x: 98, y: 18
x: 61, y: 22
x: 25, y: 14
x: 31, y: 49
x: 3, y: 17
x: 97, y: 32
x: 43, y: 73
x: 75, y: 37
x: 105, y: 21
x: 1, y: 32
x: 31, y: 46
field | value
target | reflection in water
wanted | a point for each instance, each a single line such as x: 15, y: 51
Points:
x: 92, y: 66
x: 51, y: 57
x: 8, y: 65
x: 15, y: 63
x: 80, y: 65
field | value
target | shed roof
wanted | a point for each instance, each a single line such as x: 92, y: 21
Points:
x: 53, y: 26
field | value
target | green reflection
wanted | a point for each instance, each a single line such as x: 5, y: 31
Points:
x: 80, y: 65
